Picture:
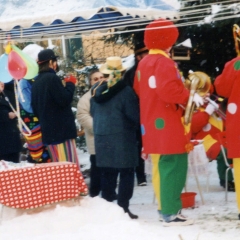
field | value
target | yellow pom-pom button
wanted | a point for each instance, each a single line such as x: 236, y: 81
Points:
x: 35, y: 119
x: 8, y: 49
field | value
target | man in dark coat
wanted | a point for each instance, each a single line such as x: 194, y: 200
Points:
x: 140, y: 51
x: 10, y: 141
x: 115, y: 112
x: 51, y: 103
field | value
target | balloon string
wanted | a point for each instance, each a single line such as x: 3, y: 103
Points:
x: 17, y: 104
x: 20, y: 91
x: 20, y: 121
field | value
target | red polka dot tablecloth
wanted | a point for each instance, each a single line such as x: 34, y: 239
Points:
x: 42, y: 184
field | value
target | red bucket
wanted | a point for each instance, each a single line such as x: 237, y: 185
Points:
x: 188, y: 199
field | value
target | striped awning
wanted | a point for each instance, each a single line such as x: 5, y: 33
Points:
x: 32, y: 18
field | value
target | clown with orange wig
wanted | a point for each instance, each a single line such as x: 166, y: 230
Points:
x: 161, y: 92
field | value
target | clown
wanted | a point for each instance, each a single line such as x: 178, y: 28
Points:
x: 161, y: 92
x: 227, y: 85
x: 206, y: 125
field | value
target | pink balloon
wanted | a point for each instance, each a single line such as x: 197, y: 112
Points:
x: 16, y: 65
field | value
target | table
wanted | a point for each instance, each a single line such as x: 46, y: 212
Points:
x: 41, y: 184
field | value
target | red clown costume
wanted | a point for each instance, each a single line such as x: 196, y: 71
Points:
x: 160, y: 89
x: 206, y: 125
x: 160, y: 95
x: 227, y: 85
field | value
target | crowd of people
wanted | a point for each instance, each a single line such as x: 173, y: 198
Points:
x: 125, y: 114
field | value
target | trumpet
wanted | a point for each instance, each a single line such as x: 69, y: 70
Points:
x: 197, y: 82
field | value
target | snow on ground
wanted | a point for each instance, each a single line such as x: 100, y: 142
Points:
x: 96, y: 219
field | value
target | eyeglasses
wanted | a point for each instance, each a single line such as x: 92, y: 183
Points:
x: 97, y: 78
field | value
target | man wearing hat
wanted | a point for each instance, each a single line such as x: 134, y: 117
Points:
x: 115, y: 112
x: 51, y: 103
x: 161, y: 91
x: 140, y: 51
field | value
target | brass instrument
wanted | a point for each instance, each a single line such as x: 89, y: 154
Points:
x: 236, y: 36
x: 197, y: 82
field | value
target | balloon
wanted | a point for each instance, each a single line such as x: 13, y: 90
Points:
x: 16, y: 66
x: 32, y: 50
x: 4, y: 73
x: 32, y: 66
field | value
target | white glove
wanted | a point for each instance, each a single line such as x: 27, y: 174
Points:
x: 210, y: 109
x: 212, y: 102
x: 197, y: 99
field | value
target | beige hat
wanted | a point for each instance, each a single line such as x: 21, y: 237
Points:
x: 112, y: 63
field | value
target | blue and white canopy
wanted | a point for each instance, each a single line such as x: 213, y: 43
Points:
x: 45, y: 18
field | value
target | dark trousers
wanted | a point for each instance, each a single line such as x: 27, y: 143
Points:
x: 95, y: 178
x: 125, y: 187
x: 140, y: 171
x: 221, y: 168
x: 11, y: 157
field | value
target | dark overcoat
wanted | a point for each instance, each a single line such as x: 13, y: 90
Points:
x: 115, y: 120
x: 10, y: 141
x: 51, y: 103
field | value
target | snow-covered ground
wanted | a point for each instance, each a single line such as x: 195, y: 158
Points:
x: 96, y: 219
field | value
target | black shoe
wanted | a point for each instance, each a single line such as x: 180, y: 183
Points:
x: 131, y: 215
x: 86, y: 173
x: 141, y: 184
x: 230, y: 185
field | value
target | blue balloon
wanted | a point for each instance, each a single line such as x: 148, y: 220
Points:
x: 4, y: 73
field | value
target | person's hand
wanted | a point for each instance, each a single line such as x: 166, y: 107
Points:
x: 144, y: 156
x: 208, y: 99
x: 210, y: 109
x: 12, y: 115
x: 1, y: 86
x: 70, y: 78
x: 198, y: 100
